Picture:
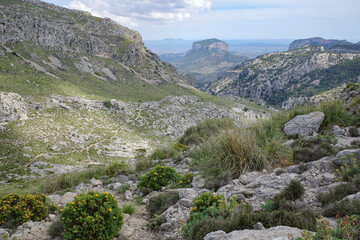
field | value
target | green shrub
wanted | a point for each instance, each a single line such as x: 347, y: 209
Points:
x: 128, y: 209
x: 307, y: 150
x: 156, y: 221
x: 295, y: 190
x: 158, y: 177
x: 162, y: 201
x: 17, y: 209
x: 114, y: 168
x: 339, y: 192
x: 203, y: 130
x: 92, y: 216
x: 348, y: 171
x: 143, y: 163
x: 56, y: 229
x: 124, y: 187
x: 184, y: 180
x: 353, y: 132
x: 204, y: 201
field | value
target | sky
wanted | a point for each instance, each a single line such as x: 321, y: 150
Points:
x: 230, y: 19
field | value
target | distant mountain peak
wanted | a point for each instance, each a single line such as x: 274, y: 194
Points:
x: 209, y: 44
x: 317, y: 41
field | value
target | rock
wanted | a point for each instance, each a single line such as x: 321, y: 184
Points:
x: 3, y: 234
x: 339, y: 161
x: 215, y: 235
x: 187, y: 193
x: 198, y: 182
x: 68, y: 197
x: 95, y: 182
x: 338, y: 131
x: 52, y: 217
x: 259, y: 226
x: 166, y: 226
x: 186, y: 202
x: 116, y: 185
x: 266, y: 234
x: 289, y: 142
x: 55, y: 199
x: 304, y: 125
x: 126, y: 231
x: 55, y: 148
x: 128, y: 195
x: 2, y: 128
x: 28, y: 224
x: 12, y: 107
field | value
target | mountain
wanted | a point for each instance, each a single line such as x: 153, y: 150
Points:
x: 72, y: 53
x: 207, y: 60
x: 317, y: 41
x: 279, y: 76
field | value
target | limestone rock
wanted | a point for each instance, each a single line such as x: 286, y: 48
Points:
x: 12, y: 107
x: 68, y: 197
x: 266, y: 234
x: 304, y: 125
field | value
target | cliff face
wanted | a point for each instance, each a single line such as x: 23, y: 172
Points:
x: 278, y: 76
x: 209, y: 44
x: 72, y: 32
x: 317, y: 41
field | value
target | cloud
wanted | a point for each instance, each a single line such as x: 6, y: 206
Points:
x: 129, y: 12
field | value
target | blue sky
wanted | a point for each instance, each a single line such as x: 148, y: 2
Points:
x: 230, y: 19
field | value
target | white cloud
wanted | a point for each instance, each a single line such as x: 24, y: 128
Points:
x: 129, y: 12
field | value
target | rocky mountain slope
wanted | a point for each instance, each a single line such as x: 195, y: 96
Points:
x: 317, y: 41
x: 207, y: 60
x: 57, y: 50
x: 280, y: 76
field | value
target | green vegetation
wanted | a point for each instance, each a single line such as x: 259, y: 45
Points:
x: 128, y: 209
x: 168, y: 151
x: 211, y: 213
x: 161, y: 201
x: 18, y: 209
x: 158, y: 177
x: 204, y: 130
x: 92, y: 216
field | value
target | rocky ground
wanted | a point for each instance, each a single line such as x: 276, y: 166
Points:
x: 252, y: 187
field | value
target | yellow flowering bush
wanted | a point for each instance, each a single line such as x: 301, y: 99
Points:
x: 158, y: 177
x: 205, y: 201
x: 17, y: 209
x: 184, y: 180
x: 92, y: 216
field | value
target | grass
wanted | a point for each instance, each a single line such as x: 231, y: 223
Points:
x: 129, y: 209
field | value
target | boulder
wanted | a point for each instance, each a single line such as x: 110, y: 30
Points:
x: 68, y: 197
x: 304, y: 125
x: 279, y: 232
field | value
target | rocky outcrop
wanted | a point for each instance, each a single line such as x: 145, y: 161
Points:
x: 276, y: 77
x: 304, y: 125
x: 12, y: 107
x: 317, y: 41
x: 209, y: 44
x: 274, y: 233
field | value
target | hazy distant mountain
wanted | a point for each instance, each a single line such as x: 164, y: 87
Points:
x: 206, y: 60
x: 317, y: 41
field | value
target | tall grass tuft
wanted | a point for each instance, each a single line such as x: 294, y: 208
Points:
x: 233, y: 152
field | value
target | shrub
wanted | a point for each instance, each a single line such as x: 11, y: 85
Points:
x: 162, y: 201
x: 156, y: 221
x: 56, y: 229
x: 17, y: 209
x: 205, y: 201
x: 307, y: 150
x: 114, y: 168
x: 184, y: 180
x: 92, y: 216
x: 143, y: 163
x: 158, y: 177
x: 128, y: 209
x: 348, y: 171
x: 339, y: 192
x: 124, y: 187
x: 204, y: 130
x: 295, y: 190
x: 353, y: 132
